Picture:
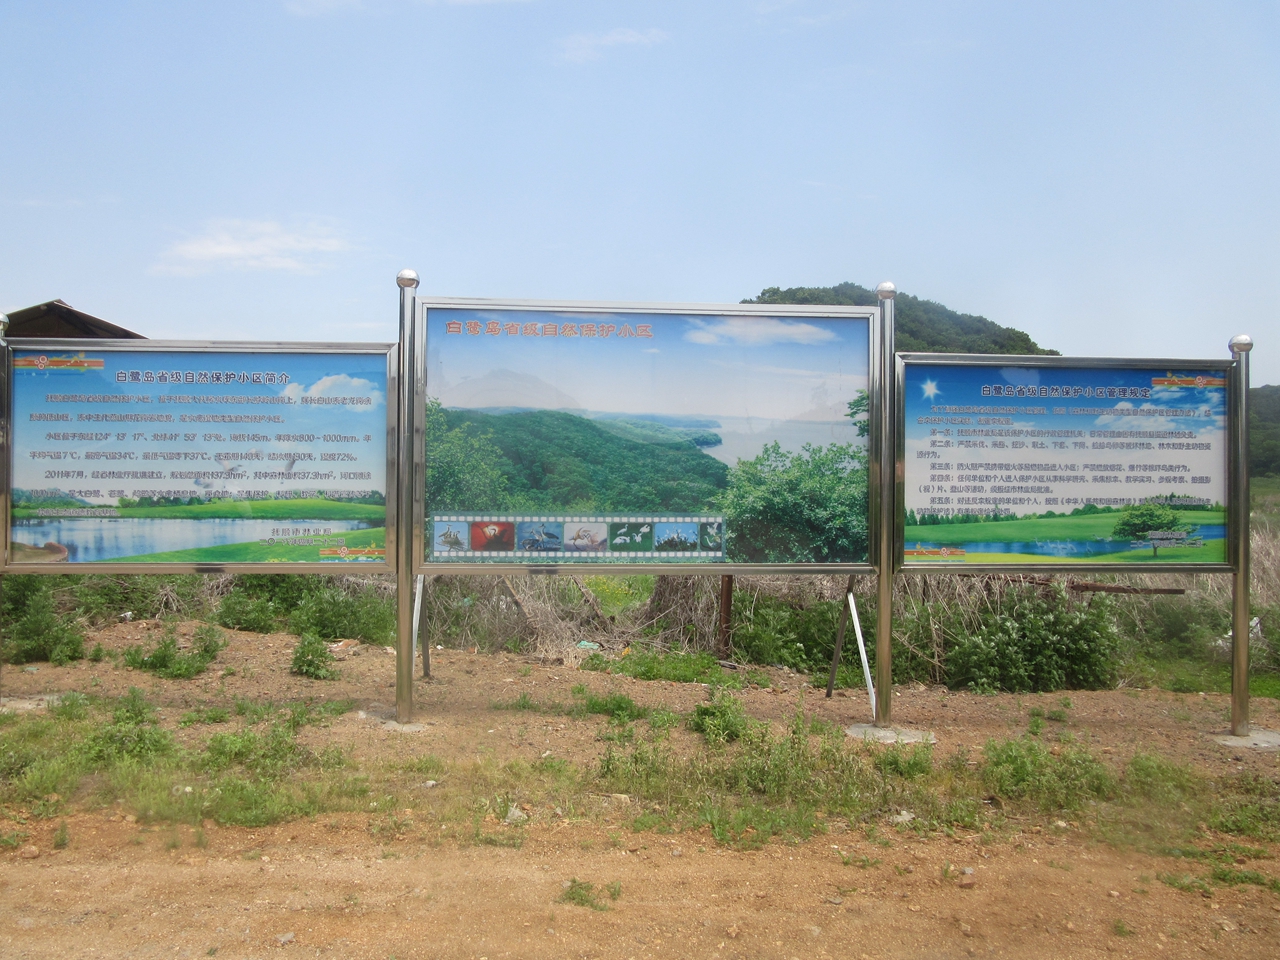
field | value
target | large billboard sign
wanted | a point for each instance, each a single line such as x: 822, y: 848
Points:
x: 630, y: 436
x: 1018, y: 461
x: 198, y: 455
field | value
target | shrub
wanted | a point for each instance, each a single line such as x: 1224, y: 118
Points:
x: 311, y: 658
x: 799, y: 635
x: 331, y: 614
x: 1038, y: 642
x: 240, y: 611
x: 38, y: 632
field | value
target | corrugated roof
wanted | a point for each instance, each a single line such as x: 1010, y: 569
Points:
x: 57, y: 319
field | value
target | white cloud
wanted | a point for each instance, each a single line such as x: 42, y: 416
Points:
x: 338, y: 385
x: 250, y: 245
x: 582, y: 47
x: 757, y: 332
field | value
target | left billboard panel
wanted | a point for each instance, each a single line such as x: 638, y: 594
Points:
x: 218, y: 455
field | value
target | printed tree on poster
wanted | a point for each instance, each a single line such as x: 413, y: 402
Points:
x: 1141, y: 522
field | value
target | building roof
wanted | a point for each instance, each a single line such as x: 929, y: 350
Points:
x: 56, y: 319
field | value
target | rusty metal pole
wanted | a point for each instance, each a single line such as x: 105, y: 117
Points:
x: 726, y: 616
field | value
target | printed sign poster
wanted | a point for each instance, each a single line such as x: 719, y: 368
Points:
x: 569, y: 437
x: 1025, y: 465
x: 186, y: 457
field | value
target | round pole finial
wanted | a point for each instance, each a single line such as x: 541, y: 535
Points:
x: 407, y: 278
x: 1241, y: 343
x: 886, y: 291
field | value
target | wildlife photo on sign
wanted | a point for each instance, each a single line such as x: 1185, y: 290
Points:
x: 619, y: 437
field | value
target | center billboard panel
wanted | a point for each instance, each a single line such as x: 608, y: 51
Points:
x: 565, y: 434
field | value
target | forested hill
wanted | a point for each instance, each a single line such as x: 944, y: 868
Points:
x: 919, y: 325
x: 556, y: 462
x: 1264, y: 431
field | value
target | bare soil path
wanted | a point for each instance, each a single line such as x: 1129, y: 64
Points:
x: 328, y: 886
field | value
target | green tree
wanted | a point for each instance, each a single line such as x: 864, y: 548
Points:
x: 464, y: 467
x: 860, y: 413
x: 1138, y: 523
x: 807, y: 507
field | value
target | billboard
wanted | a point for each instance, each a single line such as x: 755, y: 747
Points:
x: 595, y: 435
x: 1022, y: 461
x: 198, y: 455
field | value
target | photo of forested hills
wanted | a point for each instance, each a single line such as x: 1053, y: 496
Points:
x: 556, y: 462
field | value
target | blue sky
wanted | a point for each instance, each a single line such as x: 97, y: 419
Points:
x: 1098, y: 174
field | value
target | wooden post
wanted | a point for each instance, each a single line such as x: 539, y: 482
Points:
x: 726, y: 616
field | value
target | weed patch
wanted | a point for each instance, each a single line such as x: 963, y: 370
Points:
x: 167, y: 661
x: 618, y: 707
x: 674, y: 667
x: 583, y: 894
x: 311, y: 658
x: 723, y: 720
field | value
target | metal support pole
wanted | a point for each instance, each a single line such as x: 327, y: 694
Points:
x: 885, y: 552
x: 407, y: 280
x: 5, y: 439
x: 1238, y: 509
x: 726, y: 616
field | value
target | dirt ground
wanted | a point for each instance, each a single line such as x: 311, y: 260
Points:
x: 327, y: 887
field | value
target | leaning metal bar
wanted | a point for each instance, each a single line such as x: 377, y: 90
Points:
x: 886, y: 550
x: 835, y: 657
x: 417, y: 615
x: 1238, y: 541
x: 862, y: 651
x: 407, y: 280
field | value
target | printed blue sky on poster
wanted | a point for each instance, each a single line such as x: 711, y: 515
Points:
x: 765, y: 368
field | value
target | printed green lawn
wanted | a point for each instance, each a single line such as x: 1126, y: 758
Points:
x: 1093, y: 526
x: 255, y: 552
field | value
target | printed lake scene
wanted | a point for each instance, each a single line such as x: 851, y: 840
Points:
x: 1027, y: 465
x: 648, y: 437
x: 165, y: 456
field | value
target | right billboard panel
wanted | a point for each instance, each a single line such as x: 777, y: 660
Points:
x: 1048, y: 461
